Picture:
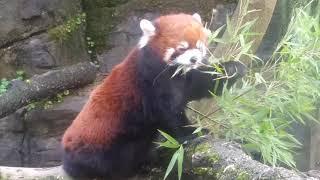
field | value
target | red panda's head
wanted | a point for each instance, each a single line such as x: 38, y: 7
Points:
x: 178, y: 38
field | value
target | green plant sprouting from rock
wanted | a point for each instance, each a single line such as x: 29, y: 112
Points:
x: 64, y: 31
x: 5, y: 83
x: 49, y: 102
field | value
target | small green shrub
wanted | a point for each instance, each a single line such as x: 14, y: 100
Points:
x: 49, y: 102
x: 64, y: 31
x: 4, y: 83
x: 21, y: 75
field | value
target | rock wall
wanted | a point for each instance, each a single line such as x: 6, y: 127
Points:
x: 32, y: 137
x: 24, y: 39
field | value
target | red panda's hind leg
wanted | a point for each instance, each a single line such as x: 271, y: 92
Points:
x: 89, y: 165
x: 122, y: 159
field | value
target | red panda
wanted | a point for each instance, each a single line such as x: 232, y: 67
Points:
x: 112, y: 134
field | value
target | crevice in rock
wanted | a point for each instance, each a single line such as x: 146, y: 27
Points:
x: 11, y: 43
x: 21, y: 150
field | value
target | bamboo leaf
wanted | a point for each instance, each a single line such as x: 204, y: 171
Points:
x: 171, y: 164
x: 169, y: 138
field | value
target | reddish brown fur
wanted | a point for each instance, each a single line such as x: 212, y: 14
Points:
x: 173, y: 29
x: 110, y: 99
x: 99, y: 121
x: 113, y: 133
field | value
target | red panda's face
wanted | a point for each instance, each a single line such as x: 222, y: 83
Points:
x: 179, y: 39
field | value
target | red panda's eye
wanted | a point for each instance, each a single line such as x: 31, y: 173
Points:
x: 182, y: 49
x: 175, y: 55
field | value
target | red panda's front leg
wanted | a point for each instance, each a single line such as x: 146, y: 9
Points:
x: 171, y: 115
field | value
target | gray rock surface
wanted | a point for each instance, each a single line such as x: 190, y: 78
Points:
x: 24, y: 42
x: 20, y: 19
x: 125, y: 36
x: 39, y: 54
x: 33, y: 138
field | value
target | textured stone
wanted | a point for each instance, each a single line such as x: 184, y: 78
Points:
x: 39, y: 54
x: 22, y: 18
x: 11, y: 139
x: 24, y: 43
x: 33, y: 138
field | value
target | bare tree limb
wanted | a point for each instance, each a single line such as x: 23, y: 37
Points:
x: 45, y: 85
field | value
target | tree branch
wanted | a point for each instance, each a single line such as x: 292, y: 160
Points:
x: 46, y: 85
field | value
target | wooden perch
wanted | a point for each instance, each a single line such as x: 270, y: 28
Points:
x: 45, y: 85
x: 205, y: 158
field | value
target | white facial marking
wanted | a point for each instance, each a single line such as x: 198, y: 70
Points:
x: 202, y: 47
x: 190, y: 57
x: 148, y: 30
x: 197, y: 17
x: 183, y: 45
x: 207, y: 31
x: 168, y: 54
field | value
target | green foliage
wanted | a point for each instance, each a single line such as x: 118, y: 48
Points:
x: 100, y: 22
x: 177, y: 157
x: 64, y: 31
x: 21, y: 75
x: 90, y: 45
x: 48, y: 103
x: 4, y: 83
x: 237, y: 38
x: 259, y: 112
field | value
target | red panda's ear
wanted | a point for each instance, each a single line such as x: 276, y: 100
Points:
x: 148, y: 30
x: 197, y: 17
x: 147, y: 27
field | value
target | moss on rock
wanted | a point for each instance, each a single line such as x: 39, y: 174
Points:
x: 204, y: 172
x: 232, y: 172
x: 100, y: 22
x: 205, y: 149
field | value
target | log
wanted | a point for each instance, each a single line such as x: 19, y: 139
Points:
x: 205, y: 158
x: 22, y: 93
x: 226, y: 160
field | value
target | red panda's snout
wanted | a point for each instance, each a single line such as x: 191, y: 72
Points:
x: 186, y: 56
x: 180, y: 39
